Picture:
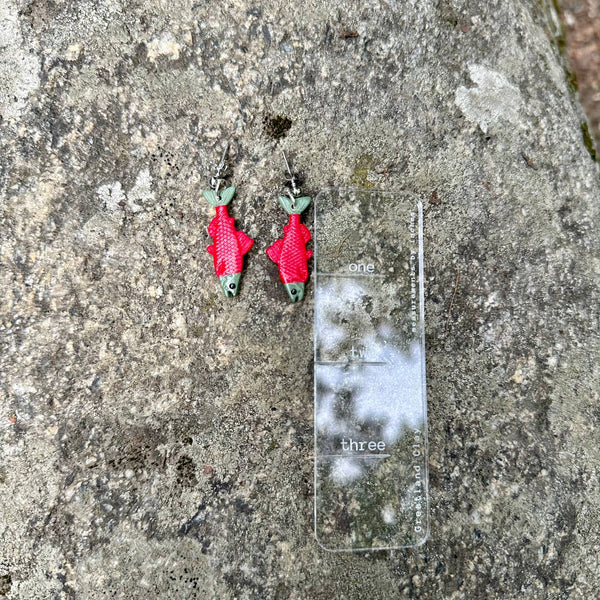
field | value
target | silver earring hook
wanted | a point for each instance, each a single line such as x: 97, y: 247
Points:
x: 219, y: 171
x: 295, y: 190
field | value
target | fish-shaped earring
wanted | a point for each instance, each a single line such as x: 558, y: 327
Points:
x: 229, y: 245
x: 290, y: 253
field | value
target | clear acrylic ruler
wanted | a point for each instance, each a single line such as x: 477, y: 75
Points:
x: 370, y: 400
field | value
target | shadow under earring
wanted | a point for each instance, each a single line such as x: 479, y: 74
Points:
x: 229, y: 245
x: 290, y: 253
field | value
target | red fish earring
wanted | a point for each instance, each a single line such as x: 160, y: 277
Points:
x: 229, y: 245
x: 290, y: 252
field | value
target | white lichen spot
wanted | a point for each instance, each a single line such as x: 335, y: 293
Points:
x: 141, y: 191
x: 494, y: 99
x: 155, y: 291
x: 345, y: 470
x: 111, y: 195
x: 179, y: 324
x: 73, y: 52
x: 19, y: 68
x: 388, y: 514
x: 166, y: 45
x: 114, y: 198
x: 69, y: 493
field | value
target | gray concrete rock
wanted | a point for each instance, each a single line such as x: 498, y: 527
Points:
x: 156, y: 438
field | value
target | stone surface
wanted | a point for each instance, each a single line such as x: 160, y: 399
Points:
x: 156, y: 438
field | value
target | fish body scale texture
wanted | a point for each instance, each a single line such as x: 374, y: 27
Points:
x: 293, y: 255
x: 227, y: 249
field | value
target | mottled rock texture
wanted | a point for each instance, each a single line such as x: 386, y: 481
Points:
x: 156, y: 438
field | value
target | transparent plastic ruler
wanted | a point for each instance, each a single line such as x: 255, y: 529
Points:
x: 370, y: 400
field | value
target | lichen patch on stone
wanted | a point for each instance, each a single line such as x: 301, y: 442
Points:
x: 73, y: 52
x: 166, y: 45
x: 141, y: 191
x: 111, y: 194
x: 494, y: 99
x: 19, y: 69
x: 114, y: 198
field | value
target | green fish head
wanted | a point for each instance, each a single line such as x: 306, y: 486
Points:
x: 230, y: 284
x: 295, y: 291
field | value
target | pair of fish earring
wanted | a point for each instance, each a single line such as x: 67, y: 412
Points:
x: 230, y: 245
